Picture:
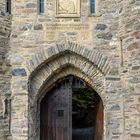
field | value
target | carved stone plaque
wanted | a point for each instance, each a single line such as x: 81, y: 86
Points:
x: 72, y: 32
x: 67, y: 8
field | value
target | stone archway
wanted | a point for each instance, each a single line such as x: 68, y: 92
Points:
x: 56, y: 62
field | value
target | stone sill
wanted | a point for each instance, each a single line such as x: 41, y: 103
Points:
x: 95, y: 15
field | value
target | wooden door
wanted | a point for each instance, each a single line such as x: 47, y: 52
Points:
x: 56, y: 117
x: 56, y: 114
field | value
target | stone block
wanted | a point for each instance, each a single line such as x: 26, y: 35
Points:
x: 38, y: 27
x: 25, y: 27
x: 115, y: 108
x: 19, y: 72
x: 113, y: 124
x: 133, y: 46
x: 31, y: 5
x: 101, y: 27
x: 112, y: 78
x: 106, y: 36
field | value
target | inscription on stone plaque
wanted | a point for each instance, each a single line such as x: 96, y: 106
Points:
x: 72, y: 32
x: 67, y: 8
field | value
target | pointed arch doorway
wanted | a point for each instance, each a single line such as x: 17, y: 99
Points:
x: 71, y: 110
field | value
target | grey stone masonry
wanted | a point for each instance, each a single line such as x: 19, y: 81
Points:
x: 37, y: 49
x: 5, y: 29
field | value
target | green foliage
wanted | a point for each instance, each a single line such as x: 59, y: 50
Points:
x: 82, y: 98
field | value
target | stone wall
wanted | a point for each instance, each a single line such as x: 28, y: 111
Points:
x: 5, y: 23
x: 130, y: 70
x: 113, y: 31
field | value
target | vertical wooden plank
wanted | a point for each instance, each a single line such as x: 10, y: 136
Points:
x: 99, y: 120
x: 61, y: 105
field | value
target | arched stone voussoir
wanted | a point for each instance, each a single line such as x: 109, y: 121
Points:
x: 42, y: 80
x: 100, y: 60
x: 69, y: 60
x: 40, y: 90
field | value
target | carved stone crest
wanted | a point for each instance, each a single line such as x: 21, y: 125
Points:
x: 67, y: 8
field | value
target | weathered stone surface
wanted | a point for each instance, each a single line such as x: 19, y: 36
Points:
x: 133, y: 46
x: 114, y: 71
x: 5, y: 29
x: 38, y: 27
x: 101, y: 27
x: 113, y: 124
x: 19, y: 72
x: 31, y: 5
x: 106, y: 36
x: 135, y: 135
x: 135, y: 67
x: 113, y: 78
x: 115, y: 107
x: 2, y: 33
x: 26, y: 27
x: 103, y: 50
